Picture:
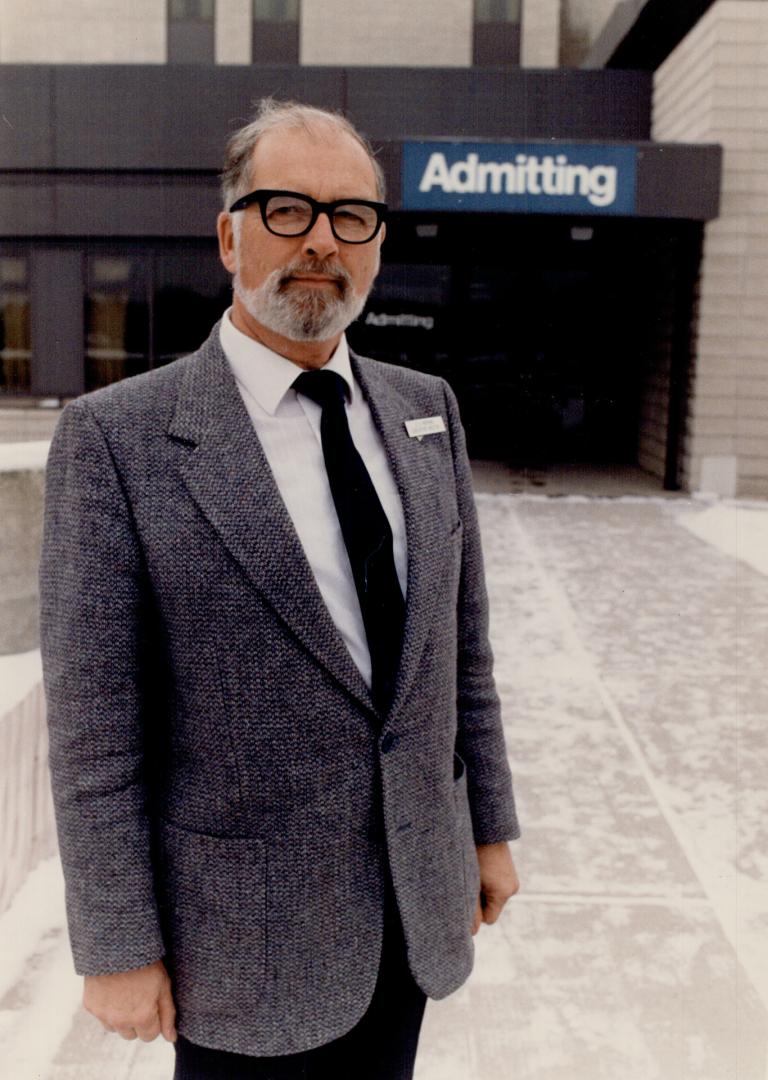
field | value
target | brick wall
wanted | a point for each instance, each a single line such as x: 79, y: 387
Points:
x: 714, y: 88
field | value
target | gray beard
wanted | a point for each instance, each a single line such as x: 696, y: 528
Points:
x: 302, y: 314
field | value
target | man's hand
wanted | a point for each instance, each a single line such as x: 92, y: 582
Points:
x: 498, y: 881
x: 133, y: 1003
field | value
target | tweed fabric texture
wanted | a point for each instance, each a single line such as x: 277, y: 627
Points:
x: 227, y: 795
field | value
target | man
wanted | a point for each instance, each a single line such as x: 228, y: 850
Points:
x: 281, y: 787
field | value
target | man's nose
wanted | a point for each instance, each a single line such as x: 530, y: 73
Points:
x: 320, y: 240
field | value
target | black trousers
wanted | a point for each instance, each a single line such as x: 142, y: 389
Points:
x: 381, y: 1046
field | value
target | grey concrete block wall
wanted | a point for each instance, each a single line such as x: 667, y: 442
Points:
x: 540, y: 38
x: 23, y: 424
x: 431, y: 33
x: 581, y: 24
x: 21, y: 522
x: 83, y: 32
x: 27, y: 829
x: 714, y: 88
x: 233, y: 31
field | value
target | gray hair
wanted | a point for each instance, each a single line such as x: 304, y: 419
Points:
x: 271, y: 114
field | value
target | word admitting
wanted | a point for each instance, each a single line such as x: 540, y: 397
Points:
x: 526, y: 175
x: 423, y: 322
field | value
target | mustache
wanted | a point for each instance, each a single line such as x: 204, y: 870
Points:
x: 326, y: 267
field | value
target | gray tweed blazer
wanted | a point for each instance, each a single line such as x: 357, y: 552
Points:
x: 227, y: 796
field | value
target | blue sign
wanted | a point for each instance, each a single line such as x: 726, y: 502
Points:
x: 520, y: 178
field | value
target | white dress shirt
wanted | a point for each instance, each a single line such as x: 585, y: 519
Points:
x: 288, y: 427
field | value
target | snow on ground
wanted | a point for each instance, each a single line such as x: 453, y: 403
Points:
x: 18, y: 675
x: 735, y: 529
x: 630, y: 660
x: 631, y: 666
x: 24, y: 455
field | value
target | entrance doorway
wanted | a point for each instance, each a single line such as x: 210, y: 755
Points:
x: 564, y: 339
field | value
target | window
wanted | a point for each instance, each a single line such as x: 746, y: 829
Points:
x: 278, y: 11
x: 116, y: 319
x: 15, y: 338
x: 497, y: 11
x: 191, y: 29
x: 497, y: 33
x: 275, y: 31
x: 190, y: 292
x: 192, y: 9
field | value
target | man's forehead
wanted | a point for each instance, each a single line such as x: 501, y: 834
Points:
x: 324, y: 155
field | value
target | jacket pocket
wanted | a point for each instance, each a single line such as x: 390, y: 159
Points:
x: 213, y: 897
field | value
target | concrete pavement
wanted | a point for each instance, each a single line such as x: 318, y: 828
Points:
x: 631, y: 657
x: 630, y: 643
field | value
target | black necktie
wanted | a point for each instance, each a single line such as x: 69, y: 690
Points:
x: 365, y: 529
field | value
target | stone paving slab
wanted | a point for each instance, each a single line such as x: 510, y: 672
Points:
x: 609, y: 990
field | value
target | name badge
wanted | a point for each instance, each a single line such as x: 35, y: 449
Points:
x: 425, y: 425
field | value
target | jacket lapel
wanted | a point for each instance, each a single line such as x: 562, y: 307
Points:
x: 417, y: 486
x: 228, y: 476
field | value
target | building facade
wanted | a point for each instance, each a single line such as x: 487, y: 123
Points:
x: 554, y: 171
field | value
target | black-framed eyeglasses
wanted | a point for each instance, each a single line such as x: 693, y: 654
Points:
x: 290, y: 213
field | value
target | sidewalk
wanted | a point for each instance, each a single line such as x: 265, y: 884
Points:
x: 631, y: 658
x: 630, y: 637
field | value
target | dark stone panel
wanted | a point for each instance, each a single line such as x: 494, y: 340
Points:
x: 673, y: 181
x: 174, y: 117
x: 191, y: 41
x: 679, y: 181
x: 391, y: 103
x: 27, y: 206
x: 496, y: 44
x: 104, y: 205
x: 275, y: 42
x: 26, y: 121
x: 390, y: 156
x: 178, y: 116
x: 57, y: 326
x: 138, y: 206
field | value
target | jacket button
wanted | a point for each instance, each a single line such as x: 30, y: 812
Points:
x: 388, y: 742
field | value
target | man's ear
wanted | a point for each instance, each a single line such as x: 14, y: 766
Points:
x: 226, y: 233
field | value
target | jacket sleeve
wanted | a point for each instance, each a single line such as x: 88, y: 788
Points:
x: 94, y: 602
x: 480, y: 736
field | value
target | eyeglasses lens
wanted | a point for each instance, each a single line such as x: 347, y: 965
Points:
x: 354, y: 222
x: 288, y: 216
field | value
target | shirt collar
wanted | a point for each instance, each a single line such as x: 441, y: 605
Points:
x: 265, y: 374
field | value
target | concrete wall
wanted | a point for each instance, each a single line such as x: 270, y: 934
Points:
x: 27, y: 830
x: 540, y: 37
x: 399, y: 33
x: 21, y: 522
x: 24, y: 424
x: 582, y: 22
x: 433, y: 33
x: 656, y: 369
x: 83, y: 32
x: 714, y: 88
x: 233, y: 31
